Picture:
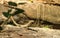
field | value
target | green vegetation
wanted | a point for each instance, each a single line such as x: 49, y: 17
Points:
x: 12, y: 3
x: 8, y: 15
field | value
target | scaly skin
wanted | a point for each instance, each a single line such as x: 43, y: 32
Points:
x: 50, y: 13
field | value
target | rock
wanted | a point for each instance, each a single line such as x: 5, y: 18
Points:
x: 46, y: 32
x: 25, y: 33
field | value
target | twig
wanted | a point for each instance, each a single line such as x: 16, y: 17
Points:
x: 14, y: 21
